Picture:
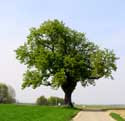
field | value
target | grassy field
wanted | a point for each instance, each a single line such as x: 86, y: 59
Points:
x: 35, y: 113
x: 117, y: 117
x: 101, y: 107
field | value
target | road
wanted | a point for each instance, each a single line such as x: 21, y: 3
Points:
x: 93, y: 116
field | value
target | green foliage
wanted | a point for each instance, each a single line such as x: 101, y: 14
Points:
x: 41, y: 101
x: 35, y: 113
x: 63, y: 56
x: 52, y: 101
x: 55, y: 50
x: 55, y: 101
x: 3, y: 93
x: 6, y: 94
x: 117, y: 117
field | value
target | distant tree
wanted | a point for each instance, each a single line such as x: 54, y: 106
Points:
x: 57, y: 52
x: 11, y: 91
x: 60, y: 101
x: 12, y: 94
x: 5, y: 95
x: 55, y: 101
x: 50, y: 101
x: 41, y: 101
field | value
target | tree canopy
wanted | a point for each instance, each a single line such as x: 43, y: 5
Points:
x: 58, y: 56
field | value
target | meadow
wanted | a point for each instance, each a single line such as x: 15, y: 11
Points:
x: 35, y: 113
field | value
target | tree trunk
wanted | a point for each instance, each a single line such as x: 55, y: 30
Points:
x: 68, y: 100
x: 68, y: 88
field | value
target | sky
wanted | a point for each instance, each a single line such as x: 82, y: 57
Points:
x: 103, y: 21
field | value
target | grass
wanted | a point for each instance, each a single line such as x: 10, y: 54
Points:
x: 117, y: 117
x: 35, y: 113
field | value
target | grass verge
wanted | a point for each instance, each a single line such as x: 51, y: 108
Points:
x: 117, y: 117
x: 35, y: 113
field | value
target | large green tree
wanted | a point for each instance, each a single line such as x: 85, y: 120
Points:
x: 58, y: 56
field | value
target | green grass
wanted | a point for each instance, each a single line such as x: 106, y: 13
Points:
x: 35, y: 113
x: 117, y: 117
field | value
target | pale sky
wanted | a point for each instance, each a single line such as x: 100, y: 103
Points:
x: 103, y: 21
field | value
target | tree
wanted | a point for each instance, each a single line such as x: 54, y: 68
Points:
x: 55, y: 101
x: 12, y: 94
x: 7, y: 94
x: 3, y: 93
x: 65, y: 56
x: 41, y: 100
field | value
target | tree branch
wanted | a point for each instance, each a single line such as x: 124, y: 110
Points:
x: 47, y: 84
x: 95, y: 77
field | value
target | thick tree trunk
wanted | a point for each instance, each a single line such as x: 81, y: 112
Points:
x: 68, y: 88
x: 68, y: 100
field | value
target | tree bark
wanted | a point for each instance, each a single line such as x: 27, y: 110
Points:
x: 68, y: 88
x: 68, y: 100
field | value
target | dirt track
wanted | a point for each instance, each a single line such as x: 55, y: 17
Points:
x: 93, y: 116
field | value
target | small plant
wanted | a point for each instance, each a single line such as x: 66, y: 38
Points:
x: 117, y: 117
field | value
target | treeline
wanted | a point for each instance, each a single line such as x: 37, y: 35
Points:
x: 7, y: 94
x: 42, y: 100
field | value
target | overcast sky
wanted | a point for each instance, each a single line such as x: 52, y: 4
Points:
x: 103, y: 21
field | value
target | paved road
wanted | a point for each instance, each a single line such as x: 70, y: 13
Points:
x: 93, y: 116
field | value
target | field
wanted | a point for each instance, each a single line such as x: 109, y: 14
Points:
x: 116, y: 108
x: 35, y: 113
